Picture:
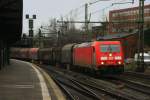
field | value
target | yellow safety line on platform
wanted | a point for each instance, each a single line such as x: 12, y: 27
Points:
x: 56, y: 89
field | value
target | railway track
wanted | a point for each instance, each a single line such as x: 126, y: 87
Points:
x: 72, y: 92
x: 138, y: 86
x: 74, y: 84
x: 137, y: 81
x: 74, y: 89
x: 138, y: 75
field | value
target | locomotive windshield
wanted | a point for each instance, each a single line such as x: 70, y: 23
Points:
x: 110, y: 48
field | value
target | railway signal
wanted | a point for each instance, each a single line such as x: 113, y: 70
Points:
x: 31, y: 22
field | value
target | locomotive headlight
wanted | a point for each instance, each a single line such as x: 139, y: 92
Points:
x: 118, y: 58
x: 103, y: 58
x: 102, y: 63
x: 119, y: 62
x: 110, y: 54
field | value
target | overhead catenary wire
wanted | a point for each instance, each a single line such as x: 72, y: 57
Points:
x: 78, y: 12
x: 91, y: 3
x: 75, y: 11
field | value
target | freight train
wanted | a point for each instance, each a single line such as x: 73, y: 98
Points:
x: 101, y: 56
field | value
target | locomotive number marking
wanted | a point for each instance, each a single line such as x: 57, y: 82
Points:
x: 110, y: 58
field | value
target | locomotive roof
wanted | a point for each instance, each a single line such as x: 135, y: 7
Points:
x: 115, y: 36
x: 88, y: 44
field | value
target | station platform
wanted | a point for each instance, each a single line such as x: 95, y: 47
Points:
x: 24, y: 81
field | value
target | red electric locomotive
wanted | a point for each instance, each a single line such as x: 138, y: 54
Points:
x: 103, y: 56
x: 99, y: 55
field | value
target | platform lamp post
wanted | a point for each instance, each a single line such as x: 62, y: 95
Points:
x: 31, y: 27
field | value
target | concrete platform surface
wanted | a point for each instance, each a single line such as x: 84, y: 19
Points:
x: 20, y: 81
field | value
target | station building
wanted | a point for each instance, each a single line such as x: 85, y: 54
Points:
x: 128, y: 15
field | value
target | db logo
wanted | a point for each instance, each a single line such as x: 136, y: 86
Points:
x: 110, y: 58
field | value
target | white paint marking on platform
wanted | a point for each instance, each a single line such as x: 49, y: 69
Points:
x: 24, y: 86
x: 45, y: 92
x: 18, y: 86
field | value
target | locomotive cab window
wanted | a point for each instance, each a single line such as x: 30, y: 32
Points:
x: 110, y: 48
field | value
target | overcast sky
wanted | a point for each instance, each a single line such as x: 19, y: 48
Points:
x: 47, y: 9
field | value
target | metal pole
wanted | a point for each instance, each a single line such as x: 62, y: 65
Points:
x: 141, y: 65
x: 0, y: 54
x: 86, y: 17
x: 39, y: 38
x: 8, y: 55
x: 31, y: 33
x: 142, y: 34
